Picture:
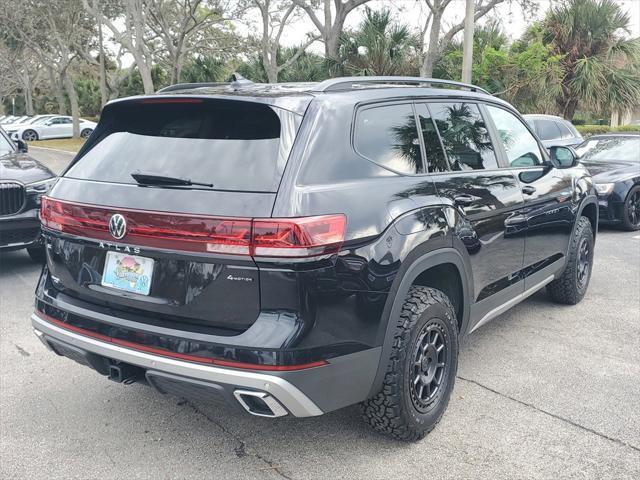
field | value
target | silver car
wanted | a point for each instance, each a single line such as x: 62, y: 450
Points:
x: 554, y: 131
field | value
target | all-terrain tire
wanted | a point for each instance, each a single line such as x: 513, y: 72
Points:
x: 572, y: 285
x: 398, y: 410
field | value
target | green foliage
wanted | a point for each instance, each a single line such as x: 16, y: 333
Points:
x: 204, y: 69
x: 588, y: 130
x: 132, y: 84
x: 308, y: 67
x: 601, y: 69
x: 379, y: 46
x: 88, y: 90
x: 525, y: 73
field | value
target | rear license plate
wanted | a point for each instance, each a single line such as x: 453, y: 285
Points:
x: 128, y: 272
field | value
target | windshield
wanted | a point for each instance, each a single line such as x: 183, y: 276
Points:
x: 234, y: 145
x: 625, y: 149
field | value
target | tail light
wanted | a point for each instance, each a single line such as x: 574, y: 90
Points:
x: 287, y: 237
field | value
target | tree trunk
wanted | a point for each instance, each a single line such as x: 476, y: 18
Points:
x: 73, y: 99
x: 467, y: 45
x: 433, y: 51
x: 56, y: 85
x: 28, y: 94
x: 104, y: 94
x: 145, y: 73
x: 270, y: 62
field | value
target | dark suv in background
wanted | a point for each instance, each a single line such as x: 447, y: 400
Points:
x: 297, y: 248
x: 23, y: 181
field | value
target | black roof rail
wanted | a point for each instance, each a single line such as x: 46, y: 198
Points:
x: 349, y: 83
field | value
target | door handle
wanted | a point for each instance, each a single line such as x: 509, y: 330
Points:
x: 528, y: 189
x: 462, y: 200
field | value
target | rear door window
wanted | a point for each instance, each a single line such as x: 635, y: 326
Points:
x: 547, y: 129
x: 234, y: 145
x: 387, y: 135
x: 465, y: 136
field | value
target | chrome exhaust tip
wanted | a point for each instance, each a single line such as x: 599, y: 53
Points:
x: 260, y: 404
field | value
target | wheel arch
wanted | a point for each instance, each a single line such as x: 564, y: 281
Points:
x: 418, y: 269
x: 589, y: 209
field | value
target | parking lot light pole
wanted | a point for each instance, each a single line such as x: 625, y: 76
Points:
x: 467, y: 46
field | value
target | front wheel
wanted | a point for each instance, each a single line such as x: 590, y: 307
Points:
x: 571, y: 286
x: 631, y: 218
x: 422, y: 368
x: 29, y: 136
x: 86, y: 133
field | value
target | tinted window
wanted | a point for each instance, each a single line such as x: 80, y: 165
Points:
x: 234, y: 145
x: 564, y: 130
x: 388, y: 136
x: 547, y: 129
x: 435, y: 161
x: 464, y: 135
x: 520, y: 145
x: 619, y: 148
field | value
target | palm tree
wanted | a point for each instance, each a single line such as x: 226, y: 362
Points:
x: 379, y: 46
x: 600, y: 67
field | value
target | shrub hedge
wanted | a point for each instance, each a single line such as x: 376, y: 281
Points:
x: 588, y: 130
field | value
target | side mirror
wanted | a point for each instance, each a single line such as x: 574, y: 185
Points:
x: 563, y: 157
x: 22, y: 146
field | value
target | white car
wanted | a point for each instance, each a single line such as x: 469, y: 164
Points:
x: 56, y: 126
x: 16, y: 122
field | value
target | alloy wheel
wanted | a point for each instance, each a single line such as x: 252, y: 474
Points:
x: 584, y: 262
x: 633, y: 209
x: 429, y: 367
x: 29, y: 136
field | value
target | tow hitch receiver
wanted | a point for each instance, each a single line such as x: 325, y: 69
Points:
x: 125, y: 373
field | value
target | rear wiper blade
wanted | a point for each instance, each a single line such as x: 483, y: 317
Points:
x: 155, y: 179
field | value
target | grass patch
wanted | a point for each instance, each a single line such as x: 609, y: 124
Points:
x: 65, y: 144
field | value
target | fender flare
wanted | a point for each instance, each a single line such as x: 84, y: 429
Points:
x: 399, y: 292
x: 588, y: 200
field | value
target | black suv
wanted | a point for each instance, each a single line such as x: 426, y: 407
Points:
x: 297, y: 248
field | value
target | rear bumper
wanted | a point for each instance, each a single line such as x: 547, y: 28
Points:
x: 304, y: 393
x: 291, y: 398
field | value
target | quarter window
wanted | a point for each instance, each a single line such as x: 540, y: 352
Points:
x: 520, y: 145
x: 464, y: 136
x: 388, y: 136
x: 564, y: 130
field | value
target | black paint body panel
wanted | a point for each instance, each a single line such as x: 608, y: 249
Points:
x: 300, y: 311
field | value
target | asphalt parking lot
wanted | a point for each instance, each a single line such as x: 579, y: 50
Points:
x: 544, y: 391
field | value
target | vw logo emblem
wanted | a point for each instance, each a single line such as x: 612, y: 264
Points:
x: 117, y: 226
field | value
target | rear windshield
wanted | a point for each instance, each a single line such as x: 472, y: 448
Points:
x: 234, y: 145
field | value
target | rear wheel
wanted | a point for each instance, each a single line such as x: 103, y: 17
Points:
x: 29, y: 135
x: 571, y: 286
x: 85, y: 133
x: 631, y: 215
x: 422, y: 368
